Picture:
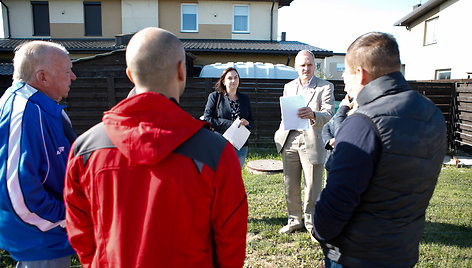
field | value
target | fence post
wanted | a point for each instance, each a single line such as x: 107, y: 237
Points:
x: 453, y: 118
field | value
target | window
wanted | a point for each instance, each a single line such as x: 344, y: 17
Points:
x: 430, y: 31
x: 93, y: 18
x: 241, y: 19
x: 189, y: 18
x: 40, y: 18
x: 443, y: 74
x: 340, y: 67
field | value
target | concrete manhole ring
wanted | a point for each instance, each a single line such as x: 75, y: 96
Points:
x: 264, y: 166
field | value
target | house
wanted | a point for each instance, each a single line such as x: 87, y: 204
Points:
x: 211, y: 30
x: 437, y: 42
x: 334, y: 66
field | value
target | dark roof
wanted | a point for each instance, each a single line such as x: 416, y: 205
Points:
x: 101, y: 55
x: 72, y: 45
x: 282, y: 3
x: 190, y: 45
x: 250, y: 46
x: 418, y: 12
x: 6, y: 68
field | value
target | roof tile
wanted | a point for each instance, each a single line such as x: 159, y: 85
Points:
x: 190, y: 45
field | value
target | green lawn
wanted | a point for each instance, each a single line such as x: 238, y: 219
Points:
x: 447, y: 241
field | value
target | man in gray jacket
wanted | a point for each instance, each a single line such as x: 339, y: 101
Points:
x: 303, y: 149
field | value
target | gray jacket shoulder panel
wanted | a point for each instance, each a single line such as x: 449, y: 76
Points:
x: 205, y: 147
x: 93, y: 139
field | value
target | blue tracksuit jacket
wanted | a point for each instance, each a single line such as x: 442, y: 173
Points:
x: 33, y: 157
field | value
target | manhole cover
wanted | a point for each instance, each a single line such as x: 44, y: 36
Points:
x: 265, y: 166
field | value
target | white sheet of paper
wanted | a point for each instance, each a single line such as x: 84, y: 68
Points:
x: 237, y: 136
x: 289, y: 106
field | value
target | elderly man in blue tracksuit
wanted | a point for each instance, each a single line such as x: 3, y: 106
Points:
x: 35, y: 139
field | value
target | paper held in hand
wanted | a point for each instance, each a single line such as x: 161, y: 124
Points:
x: 237, y: 136
x: 289, y: 106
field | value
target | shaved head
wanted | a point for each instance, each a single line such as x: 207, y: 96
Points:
x: 154, y: 58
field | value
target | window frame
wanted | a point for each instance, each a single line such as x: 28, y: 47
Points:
x: 98, y: 28
x: 182, y: 30
x: 430, y: 36
x: 248, y: 19
x: 439, y: 72
x: 36, y: 30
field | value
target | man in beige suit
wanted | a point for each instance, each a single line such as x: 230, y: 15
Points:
x: 303, y: 149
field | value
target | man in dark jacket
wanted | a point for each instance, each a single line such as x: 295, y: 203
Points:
x: 387, y: 159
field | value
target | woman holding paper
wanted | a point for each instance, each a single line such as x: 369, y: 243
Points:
x: 226, y: 105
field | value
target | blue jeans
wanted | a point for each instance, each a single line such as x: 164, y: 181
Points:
x: 331, y: 264
x: 241, y: 155
x: 63, y: 262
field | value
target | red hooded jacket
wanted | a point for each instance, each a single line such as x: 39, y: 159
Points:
x: 150, y: 187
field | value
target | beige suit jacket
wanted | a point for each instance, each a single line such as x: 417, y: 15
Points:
x: 321, y: 93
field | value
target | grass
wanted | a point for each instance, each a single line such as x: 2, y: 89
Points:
x: 447, y: 241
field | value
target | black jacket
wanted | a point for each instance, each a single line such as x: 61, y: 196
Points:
x: 220, y: 119
x: 329, y: 132
x: 386, y: 227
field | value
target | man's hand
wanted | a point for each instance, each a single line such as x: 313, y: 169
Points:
x: 331, y: 142
x: 306, y: 113
x: 347, y: 101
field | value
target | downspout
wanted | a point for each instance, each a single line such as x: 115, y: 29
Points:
x: 8, y: 19
x: 272, y: 20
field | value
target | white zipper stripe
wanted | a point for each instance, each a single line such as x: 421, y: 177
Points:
x: 14, y: 143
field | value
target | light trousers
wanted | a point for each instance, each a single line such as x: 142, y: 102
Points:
x: 295, y: 159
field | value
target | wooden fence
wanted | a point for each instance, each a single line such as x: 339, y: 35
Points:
x: 462, y: 117
x: 90, y: 97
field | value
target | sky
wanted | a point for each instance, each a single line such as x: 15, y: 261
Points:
x: 335, y: 24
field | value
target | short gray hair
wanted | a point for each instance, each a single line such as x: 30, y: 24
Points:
x: 31, y: 56
x: 305, y: 51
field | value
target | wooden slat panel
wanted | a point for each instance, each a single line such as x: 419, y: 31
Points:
x: 90, y: 97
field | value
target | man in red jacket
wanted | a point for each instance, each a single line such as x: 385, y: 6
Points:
x: 150, y: 186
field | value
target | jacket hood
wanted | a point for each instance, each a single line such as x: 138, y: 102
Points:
x: 147, y: 127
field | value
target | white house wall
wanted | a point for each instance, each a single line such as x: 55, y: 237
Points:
x: 64, y: 11
x: 137, y: 15
x: 215, y: 18
x: 3, y: 23
x: 214, y: 13
x: 21, y: 18
x: 453, y: 49
x: 259, y: 17
x: 259, y: 21
x: 330, y: 66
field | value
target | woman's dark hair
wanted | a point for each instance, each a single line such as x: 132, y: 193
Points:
x: 220, y: 86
